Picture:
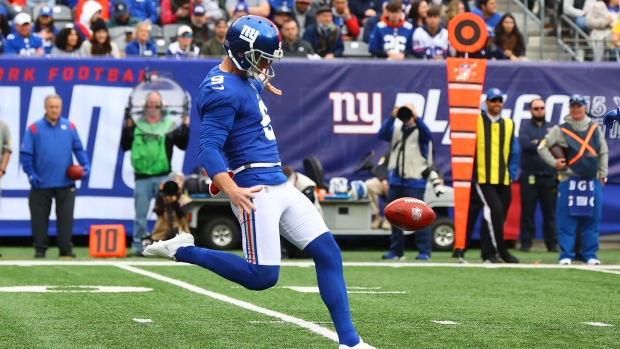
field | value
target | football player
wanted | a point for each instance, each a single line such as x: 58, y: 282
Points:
x: 235, y: 121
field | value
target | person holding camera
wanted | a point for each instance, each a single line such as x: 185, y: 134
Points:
x: 171, y: 207
x: 151, y: 146
x: 410, y: 145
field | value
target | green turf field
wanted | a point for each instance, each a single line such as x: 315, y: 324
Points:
x: 138, y: 303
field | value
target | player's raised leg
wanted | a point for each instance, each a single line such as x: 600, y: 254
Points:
x: 304, y: 227
x: 261, y: 245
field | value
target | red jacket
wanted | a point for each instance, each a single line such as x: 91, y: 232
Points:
x: 169, y: 17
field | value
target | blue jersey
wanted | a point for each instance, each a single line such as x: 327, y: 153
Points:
x: 391, y: 37
x: 235, y: 122
x: 48, y: 44
x: 19, y: 45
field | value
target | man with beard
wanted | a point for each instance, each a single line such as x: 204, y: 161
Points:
x: 538, y: 180
x: 495, y: 167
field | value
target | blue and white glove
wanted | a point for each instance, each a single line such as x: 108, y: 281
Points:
x: 86, y: 169
x: 611, y: 116
x: 35, y: 181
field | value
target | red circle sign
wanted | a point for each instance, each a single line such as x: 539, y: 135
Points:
x: 467, y: 32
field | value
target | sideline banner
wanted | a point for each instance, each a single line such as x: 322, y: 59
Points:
x: 329, y: 109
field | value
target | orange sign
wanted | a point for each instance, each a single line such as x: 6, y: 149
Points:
x: 467, y: 32
x: 107, y: 241
x: 465, y: 80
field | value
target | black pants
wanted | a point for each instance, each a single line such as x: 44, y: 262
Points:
x: 496, y: 201
x: 544, y: 189
x: 40, y: 202
x: 475, y: 207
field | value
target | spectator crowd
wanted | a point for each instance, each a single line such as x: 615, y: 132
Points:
x: 394, y: 29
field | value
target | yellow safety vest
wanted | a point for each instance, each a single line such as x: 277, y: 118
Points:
x: 493, y: 142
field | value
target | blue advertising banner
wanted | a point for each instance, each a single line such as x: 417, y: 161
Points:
x: 329, y: 109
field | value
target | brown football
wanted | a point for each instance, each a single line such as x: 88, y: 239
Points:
x: 557, y: 151
x: 409, y: 214
x: 75, y: 172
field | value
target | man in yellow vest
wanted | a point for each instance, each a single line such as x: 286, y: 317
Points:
x: 495, y: 167
x: 583, y: 172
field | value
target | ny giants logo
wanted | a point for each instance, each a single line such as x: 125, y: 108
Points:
x: 249, y: 34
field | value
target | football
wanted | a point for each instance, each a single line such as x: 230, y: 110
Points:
x: 558, y: 151
x: 409, y: 214
x: 75, y: 172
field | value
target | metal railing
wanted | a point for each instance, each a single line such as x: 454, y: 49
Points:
x: 580, y: 40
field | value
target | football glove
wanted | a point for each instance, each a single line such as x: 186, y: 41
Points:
x: 214, y: 190
x: 611, y: 116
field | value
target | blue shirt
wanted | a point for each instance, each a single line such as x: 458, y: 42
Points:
x: 492, y: 21
x: 389, y: 37
x: 47, y: 151
x: 134, y: 48
x: 143, y: 9
x: 424, y: 138
x: 530, y: 135
x: 235, y: 122
x: 19, y: 45
x: 48, y: 44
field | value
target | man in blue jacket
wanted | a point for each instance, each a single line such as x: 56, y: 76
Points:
x: 141, y: 46
x: 538, y: 180
x: 324, y: 35
x: 46, y: 153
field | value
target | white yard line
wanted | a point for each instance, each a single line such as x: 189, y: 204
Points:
x: 305, y: 264
x: 249, y: 306
x: 600, y: 270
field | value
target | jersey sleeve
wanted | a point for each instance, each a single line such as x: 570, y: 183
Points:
x: 217, y: 106
x: 257, y: 85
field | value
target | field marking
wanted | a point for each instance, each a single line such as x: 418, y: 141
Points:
x: 600, y: 270
x: 305, y: 264
x: 445, y: 322
x: 327, y: 333
x: 74, y: 289
x: 599, y: 324
x: 142, y: 320
x: 315, y: 289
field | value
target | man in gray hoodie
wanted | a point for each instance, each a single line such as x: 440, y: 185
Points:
x: 583, y: 173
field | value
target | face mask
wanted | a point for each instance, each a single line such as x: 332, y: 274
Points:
x: 536, y: 118
x: 323, y: 27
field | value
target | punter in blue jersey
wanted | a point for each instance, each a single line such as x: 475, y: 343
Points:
x: 235, y: 122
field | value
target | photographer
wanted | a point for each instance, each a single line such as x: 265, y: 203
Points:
x: 171, y: 207
x: 410, y: 148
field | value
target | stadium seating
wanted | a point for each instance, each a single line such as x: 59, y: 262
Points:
x: 23, y: 9
x: 355, y: 49
x: 157, y: 31
x: 118, y: 35
x: 170, y: 32
x: 63, y: 24
x: 62, y: 13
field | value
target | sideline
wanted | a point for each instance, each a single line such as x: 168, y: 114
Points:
x: 308, y: 264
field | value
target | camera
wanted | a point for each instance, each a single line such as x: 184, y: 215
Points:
x: 433, y: 177
x: 170, y: 188
x: 404, y: 114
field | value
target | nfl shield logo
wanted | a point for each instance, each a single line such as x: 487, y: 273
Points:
x: 464, y: 70
x: 416, y: 213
